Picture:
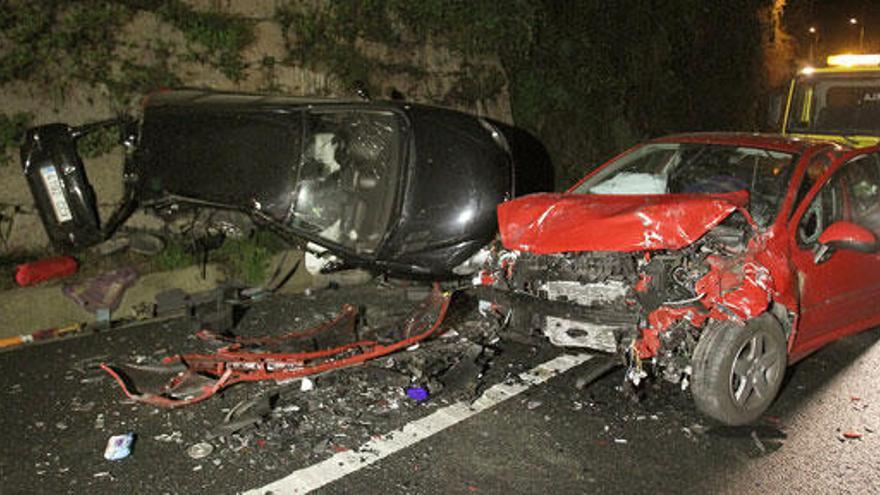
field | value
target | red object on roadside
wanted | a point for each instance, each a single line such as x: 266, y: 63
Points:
x: 45, y: 269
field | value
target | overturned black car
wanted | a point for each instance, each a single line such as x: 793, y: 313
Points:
x: 391, y: 186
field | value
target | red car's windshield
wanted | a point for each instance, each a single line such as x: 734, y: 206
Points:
x: 668, y: 168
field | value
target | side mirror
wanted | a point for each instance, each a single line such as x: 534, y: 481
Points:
x: 846, y: 235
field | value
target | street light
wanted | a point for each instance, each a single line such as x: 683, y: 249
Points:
x: 814, y: 41
x: 855, y: 22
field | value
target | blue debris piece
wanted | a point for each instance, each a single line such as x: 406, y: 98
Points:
x: 417, y: 394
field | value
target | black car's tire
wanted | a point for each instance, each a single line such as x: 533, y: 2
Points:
x: 737, y: 370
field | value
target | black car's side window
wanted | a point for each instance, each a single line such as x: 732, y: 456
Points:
x: 348, y: 176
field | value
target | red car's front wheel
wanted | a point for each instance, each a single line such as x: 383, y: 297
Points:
x: 738, y: 369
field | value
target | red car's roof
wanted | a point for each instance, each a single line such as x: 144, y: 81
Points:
x: 775, y: 142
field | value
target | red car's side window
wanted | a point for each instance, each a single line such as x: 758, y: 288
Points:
x: 825, y: 209
x: 852, y: 193
x: 862, y: 187
x: 818, y: 165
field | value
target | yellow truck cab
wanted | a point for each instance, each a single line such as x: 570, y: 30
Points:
x: 840, y: 102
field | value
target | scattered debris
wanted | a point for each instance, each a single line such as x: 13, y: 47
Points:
x: 687, y: 432
x: 306, y: 384
x: 466, y: 372
x: 119, y: 447
x: 698, y: 428
x: 77, y: 405
x: 533, y: 404
x: 212, y: 309
x: 145, y: 243
x: 852, y: 435
x: 597, y: 372
x: 200, y: 450
x: 113, y: 245
x: 186, y: 379
x: 758, y: 443
x: 175, y: 437
x: 102, y: 292
x: 246, y: 413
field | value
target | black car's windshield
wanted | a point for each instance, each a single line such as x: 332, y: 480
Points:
x: 665, y: 168
x: 348, y: 176
x: 836, y: 104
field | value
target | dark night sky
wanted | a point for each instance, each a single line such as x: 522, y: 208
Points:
x: 831, y: 19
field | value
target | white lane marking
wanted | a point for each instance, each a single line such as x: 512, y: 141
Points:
x: 344, y: 463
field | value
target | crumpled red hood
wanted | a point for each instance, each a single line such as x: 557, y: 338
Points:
x: 555, y: 223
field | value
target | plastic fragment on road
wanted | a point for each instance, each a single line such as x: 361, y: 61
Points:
x: 417, y: 394
x: 200, y: 450
x: 119, y: 447
x: 45, y: 269
x: 186, y: 379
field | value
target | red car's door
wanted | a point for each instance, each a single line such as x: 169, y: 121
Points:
x: 839, y: 294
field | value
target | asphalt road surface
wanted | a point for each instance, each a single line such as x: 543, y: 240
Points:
x: 514, y: 427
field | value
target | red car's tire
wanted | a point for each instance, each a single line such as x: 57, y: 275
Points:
x: 737, y: 370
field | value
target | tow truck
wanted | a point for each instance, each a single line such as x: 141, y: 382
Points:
x: 839, y: 102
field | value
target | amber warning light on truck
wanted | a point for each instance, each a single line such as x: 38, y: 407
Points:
x: 854, y: 60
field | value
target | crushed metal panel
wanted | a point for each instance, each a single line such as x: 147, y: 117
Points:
x: 568, y: 332
x: 571, y: 333
x: 587, y: 294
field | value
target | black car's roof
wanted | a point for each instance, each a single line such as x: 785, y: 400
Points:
x: 220, y: 99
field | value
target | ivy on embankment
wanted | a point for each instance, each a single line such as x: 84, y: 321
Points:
x: 57, y: 43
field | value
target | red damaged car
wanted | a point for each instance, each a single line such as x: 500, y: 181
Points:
x: 712, y: 260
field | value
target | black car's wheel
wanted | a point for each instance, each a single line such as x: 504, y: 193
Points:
x: 738, y: 369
